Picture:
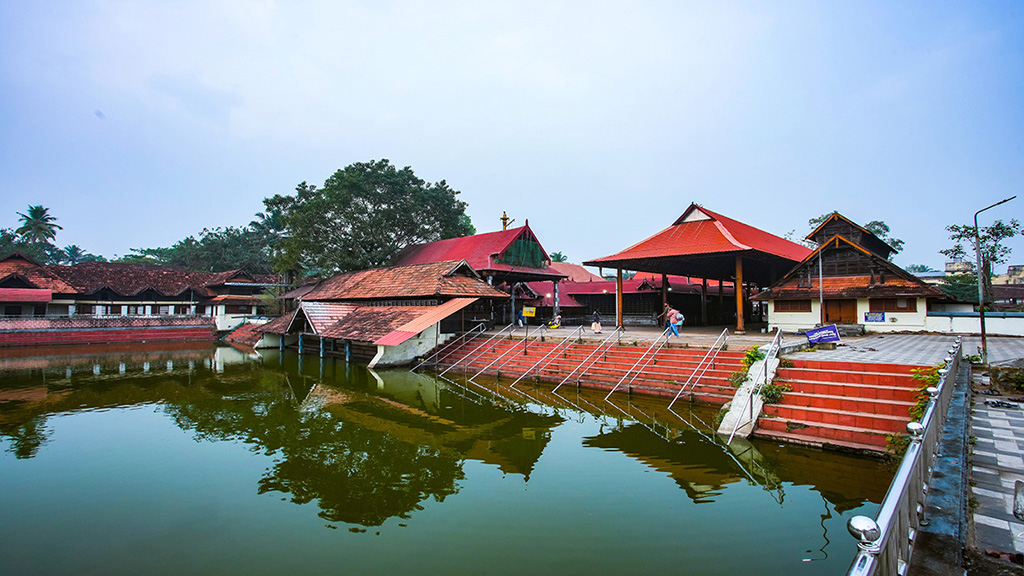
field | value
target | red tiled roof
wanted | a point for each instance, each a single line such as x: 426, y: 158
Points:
x: 701, y: 231
x: 430, y: 280
x: 370, y: 323
x: 25, y: 295
x: 323, y: 315
x: 423, y: 321
x: 848, y: 287
x: 278, y: 325
x: 17, y: 267
x: 575, y: 272
x: 481, y: 251
x: 132, y: 279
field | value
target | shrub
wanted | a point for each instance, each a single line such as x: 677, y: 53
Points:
x: 773, y: 393
x: 737, y: 378
x: 753, y: 355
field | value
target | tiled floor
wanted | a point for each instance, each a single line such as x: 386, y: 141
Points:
x: 914, y: 349
x: 997, y: 463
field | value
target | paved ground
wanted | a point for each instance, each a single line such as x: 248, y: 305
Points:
x: 997, y: 463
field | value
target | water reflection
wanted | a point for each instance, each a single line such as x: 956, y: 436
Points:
x: 367, y: 446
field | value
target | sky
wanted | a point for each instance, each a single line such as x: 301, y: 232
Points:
x: 140, y: 123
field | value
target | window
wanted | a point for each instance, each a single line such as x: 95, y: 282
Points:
x: 12, y: 310
x: 892, y: 305
x: 237, y: 309
x: 792, y: 305
x: 136, y: 310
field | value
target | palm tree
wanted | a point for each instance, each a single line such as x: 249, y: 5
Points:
x: 37, y: 226
x: 558, y: 257
x: 74, y: 254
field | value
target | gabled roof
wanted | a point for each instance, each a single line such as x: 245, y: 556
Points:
x: 802, y: 281
x: 836, y: 222
x: 431, y: 280
x: 392, y: 325
x: 701, y: 243
x: 132, y: 279
x: 323, y: 315
x: 575, y: 272
x: 18, y: 267
x: 481, y: 251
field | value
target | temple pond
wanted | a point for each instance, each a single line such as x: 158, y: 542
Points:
x: 212, y: 460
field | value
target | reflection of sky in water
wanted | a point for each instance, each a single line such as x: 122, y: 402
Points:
x: 242, y: 466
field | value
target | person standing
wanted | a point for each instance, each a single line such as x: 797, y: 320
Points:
x: 596, y: 326
x: 670, y: 319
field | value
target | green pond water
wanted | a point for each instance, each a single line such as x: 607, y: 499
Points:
x: 211, y: 460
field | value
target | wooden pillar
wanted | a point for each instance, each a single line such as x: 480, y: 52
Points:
x: 618, y: 297
x: 721, y: 303
x: 738, y: 288
x: 704, y: 301
x: 664, y: 291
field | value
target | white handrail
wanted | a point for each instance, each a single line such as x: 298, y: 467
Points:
x: 640, y: 359
x: 617, y: 332
x: 715, y: 349
x: 886, y: 543
x: 478, y: 329
x: 507, y: 352
x: 552, y: 351
x: 510, y: 327
x: 755, y: 388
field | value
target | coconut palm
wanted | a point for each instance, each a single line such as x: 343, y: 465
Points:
x: 74, y: 254
x: 37, y: 225
x: 558, y: 257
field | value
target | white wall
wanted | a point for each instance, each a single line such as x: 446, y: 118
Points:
x: 407, y: 351
x: 996, y: 323
x: 894, y: 321
x: 793, y: 321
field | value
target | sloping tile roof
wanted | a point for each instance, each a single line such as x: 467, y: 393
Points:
x: 17, y: 266
x: 370, y: 323
x: 700, y: 231
x: 434, y: 279
x: 481, y: 251
x: 575, y: 272
x: 132, y: 279
x: 278, y: 325
x: 323, y: 315
x: 423, y: 321
x: 898, y: 282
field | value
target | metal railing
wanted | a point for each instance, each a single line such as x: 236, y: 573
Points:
x: 453, y: 345
x: 642, y: 359
x: 886, y: 542
x: 759, y: 382
x: 617, y: 333
x: 575, y: 334
x: 526, y: 340
x: 706, y: 362
x: 511, y: 328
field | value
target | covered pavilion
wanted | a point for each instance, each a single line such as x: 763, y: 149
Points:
x: 704, y: 244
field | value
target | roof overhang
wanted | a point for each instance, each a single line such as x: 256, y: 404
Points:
x: 26, y: 295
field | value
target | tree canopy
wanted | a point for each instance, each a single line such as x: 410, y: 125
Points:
x: 990, y: 241
x: 362, y: 216
x: 558, y: 257
x: 215, y: 250
x: 34, y: 238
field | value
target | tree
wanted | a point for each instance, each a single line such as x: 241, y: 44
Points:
x: 990, y: 237
x: 558, y: 257
x: 215, y: 250
x: 876, y: 227
x: 37, y: 225
x: 920, y: 268
x: 989, y: 242
x: 363, y: 216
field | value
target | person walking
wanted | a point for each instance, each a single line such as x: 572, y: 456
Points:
x: 670, y: 314
x: 596, y: 326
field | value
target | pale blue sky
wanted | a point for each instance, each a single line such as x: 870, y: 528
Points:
x: 139, y: 123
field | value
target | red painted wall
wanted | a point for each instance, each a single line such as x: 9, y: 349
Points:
x: 126, y: 335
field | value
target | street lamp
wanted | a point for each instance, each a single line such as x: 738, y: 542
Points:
x: 981, y: 289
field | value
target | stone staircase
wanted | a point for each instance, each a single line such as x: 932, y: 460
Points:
x: 662, y: 377
x: 845, y: 404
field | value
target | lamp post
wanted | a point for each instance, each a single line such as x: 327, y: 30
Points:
x: 981, y: 289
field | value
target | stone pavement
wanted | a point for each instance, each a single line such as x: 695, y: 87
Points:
x: 996, y: 465
x: 912, y: 349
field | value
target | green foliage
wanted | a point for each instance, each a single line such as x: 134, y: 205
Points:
x: 37, y: 225
x: 774, y: 392
x: 785, y: 363
x: 896, y: 444
x: 753, y: 355
x: 558, y: 257
x: 719, y: 416
x: 363, y: 216
x: 925, y: 377
x: 737, y: 378
x: 218, y: 250
x: 990, y: 241
x: 960, y: 287
x: 973, y: 358
x: 919, y: 268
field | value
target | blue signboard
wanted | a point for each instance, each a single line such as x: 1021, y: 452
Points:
x: 824, y: 334
x: 874, y: 316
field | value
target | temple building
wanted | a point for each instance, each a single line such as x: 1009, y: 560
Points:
x: 848, y: 279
